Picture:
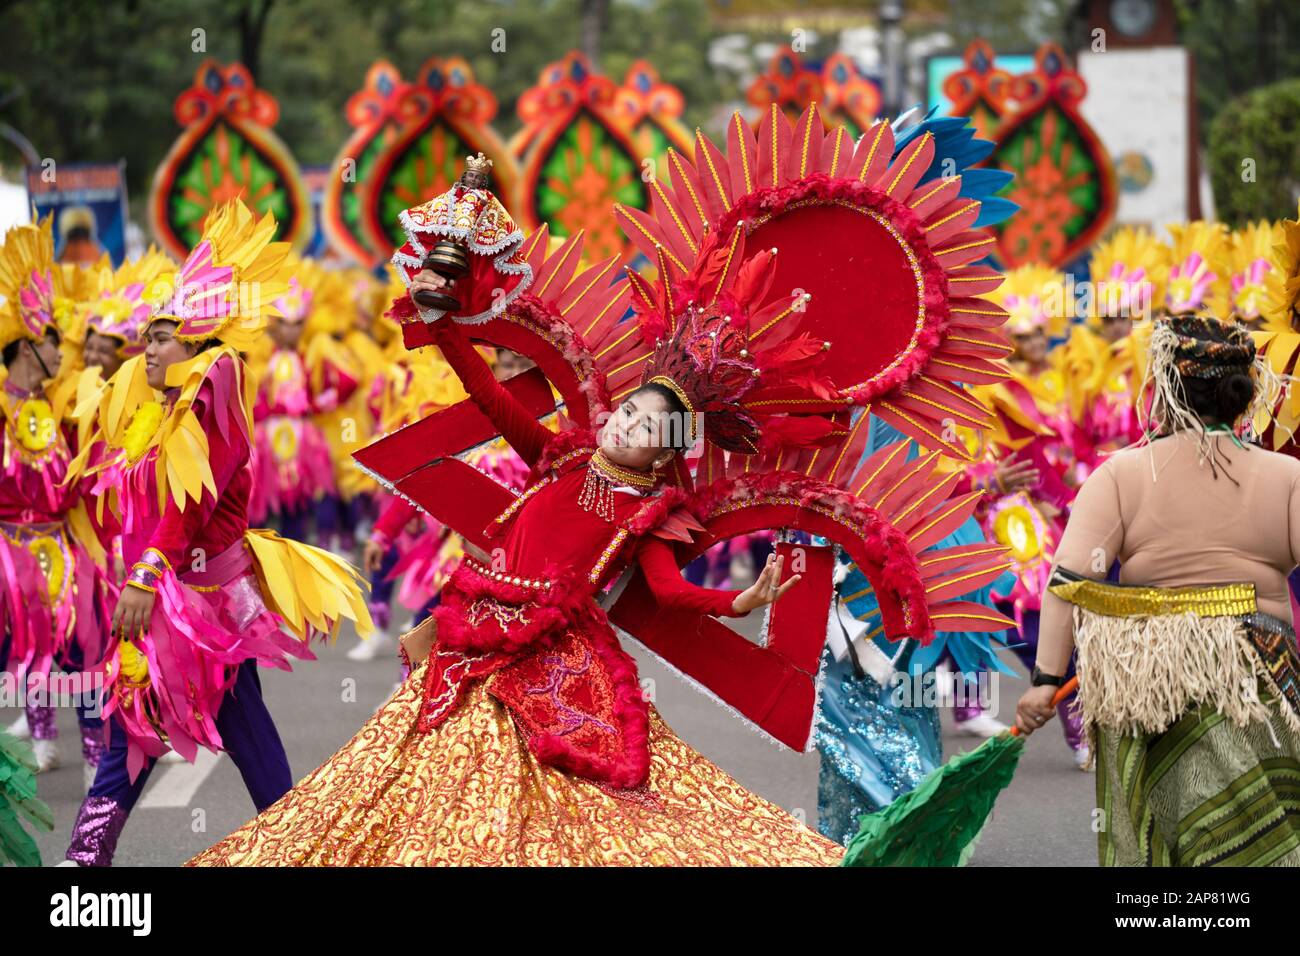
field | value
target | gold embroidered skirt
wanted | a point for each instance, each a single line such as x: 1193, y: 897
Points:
x: 470, y: 793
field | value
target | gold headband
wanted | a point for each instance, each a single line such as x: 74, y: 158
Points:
x: 676, y: 389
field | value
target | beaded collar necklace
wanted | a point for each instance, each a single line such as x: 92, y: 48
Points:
x: 598, y: 487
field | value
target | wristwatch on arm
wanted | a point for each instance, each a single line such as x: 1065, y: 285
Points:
x: 1039, y: 678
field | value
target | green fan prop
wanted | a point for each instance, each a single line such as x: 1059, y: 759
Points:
x: 938, y: 823
x: 18, y: 801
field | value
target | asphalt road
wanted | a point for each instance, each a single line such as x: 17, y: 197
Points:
x: 1044, y: 817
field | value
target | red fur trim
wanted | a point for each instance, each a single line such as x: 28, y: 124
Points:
x: 402, y: 310
x: 899, y: 573
x: 571, y: 439
x: 656, y: 510
x: 545, y: 610
x: 629, y: 763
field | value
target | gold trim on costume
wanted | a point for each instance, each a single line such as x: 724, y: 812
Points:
x: 1120, y: 600
x: 1147, y: 655
x: 677, y: 390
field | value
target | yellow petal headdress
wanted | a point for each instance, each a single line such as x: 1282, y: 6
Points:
x: 1034, y: 297
x: 1125, y: 273
x: 1282, y: 284
x: 121, y: 309
x: 330, y: 311
x: 1246, y: 262
x: 28, y: 275
x: 1189, y: 262
x: 226, y: 288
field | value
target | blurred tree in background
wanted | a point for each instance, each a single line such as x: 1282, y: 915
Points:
x: 1254, y: 155
x: 1239, y: 45
x: 95, y: 79
x: 89, y: 80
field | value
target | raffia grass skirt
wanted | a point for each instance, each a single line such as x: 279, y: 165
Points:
x: 470, y: 793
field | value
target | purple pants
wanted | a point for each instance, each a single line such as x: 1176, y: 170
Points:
x: 248, y: 735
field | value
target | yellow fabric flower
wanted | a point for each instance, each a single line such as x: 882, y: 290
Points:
x: 36, y: 425
x: 134, y: 665
x: 1015, y: 528
x: 49, y: 556
x: 144, y: 426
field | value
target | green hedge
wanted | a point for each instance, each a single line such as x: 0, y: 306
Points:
x: 1263, y: 125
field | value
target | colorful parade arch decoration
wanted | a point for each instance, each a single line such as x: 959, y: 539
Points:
x: 445, y: 115
x: 844, y: 97
x: 980, y: 89
x: 579, y: 158
x: 226, y: 150
x: 651, y: 110
x: 375, y: 114
x: 1064, y: 182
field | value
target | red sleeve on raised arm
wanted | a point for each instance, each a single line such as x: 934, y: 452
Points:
x: 669, y: 588
x: 179, y: 529
x: 525, y: 434
x: 394, y: 518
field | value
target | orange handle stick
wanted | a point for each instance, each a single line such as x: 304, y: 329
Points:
x: 1068, y: 688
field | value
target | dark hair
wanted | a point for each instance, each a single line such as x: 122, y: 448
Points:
x: 10, y: 353
x: 677, y: 410
x: 1219, y: 401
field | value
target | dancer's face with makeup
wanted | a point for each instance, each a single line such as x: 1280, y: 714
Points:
x: 161, y: 350
x: 637, y: 433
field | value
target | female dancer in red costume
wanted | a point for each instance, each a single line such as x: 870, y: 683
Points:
x: 510, y: 712
x: 521, y: 736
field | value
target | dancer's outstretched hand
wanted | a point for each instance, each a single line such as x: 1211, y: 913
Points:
x: 372, y: 556
x: 1013, y: 475
x: 766, y: 589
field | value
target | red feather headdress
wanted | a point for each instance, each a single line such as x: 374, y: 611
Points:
x: 700, y: 332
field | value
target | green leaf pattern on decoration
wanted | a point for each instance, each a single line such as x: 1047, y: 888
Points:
x: 222, y: 165
x: 426, y: 168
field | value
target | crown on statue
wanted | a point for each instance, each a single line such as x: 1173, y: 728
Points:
x: 478, y: 164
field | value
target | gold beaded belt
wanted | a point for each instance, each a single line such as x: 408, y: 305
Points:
x: 505, y: 577
x: 1134, y: 600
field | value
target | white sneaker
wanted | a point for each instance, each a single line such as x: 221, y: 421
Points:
x: 19, y: 728
x: 1081, y: 759
x: 377, y: 645
x: 46, y: 753
x: 980, y: 726
x: 67, y: 863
